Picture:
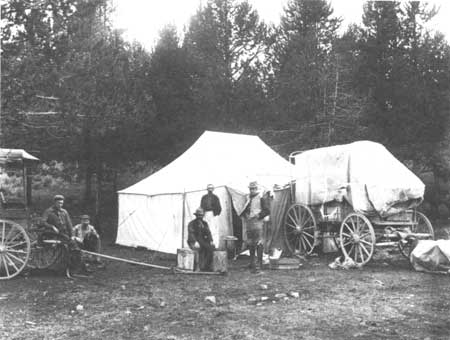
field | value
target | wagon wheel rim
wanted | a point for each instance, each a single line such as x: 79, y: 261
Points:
x: 357, y: 238
x: 300, y: 229
x: 15, y: 249
x: 422, y: 225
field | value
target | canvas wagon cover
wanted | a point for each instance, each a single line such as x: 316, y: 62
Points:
x: 364, y: 173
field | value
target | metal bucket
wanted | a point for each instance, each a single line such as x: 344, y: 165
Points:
x: 230, y: 245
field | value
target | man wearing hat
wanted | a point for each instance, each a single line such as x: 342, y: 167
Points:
x: 199, y: 237
x: 255, y: 209
x: 57, y: 218
x: 58, y: 221
x: 86, y: 235
x: 210, y: 204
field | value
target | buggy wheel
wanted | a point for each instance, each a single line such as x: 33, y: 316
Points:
x: 300, y: 229
x: 46, y: 255
x: 357, y: 238
x: 14, y: 249
x: 421, y: 225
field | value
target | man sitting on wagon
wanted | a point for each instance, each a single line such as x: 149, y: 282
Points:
x: 59, y: 226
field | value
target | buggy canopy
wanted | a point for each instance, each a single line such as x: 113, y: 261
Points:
x: 364, y: 173
x: 154, y: 212
x: 8, y: 156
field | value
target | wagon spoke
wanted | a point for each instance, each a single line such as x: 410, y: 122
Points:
x: 306, y: 221
x: 15, y: 236
x: 299, y: 244
x: 6, y: 266
x: 16, y: 245
x: 346, y: 235
x: 365, y: 242
x: 364, y: 248
x: 17, y: 259
x: 310, y: 226
x: 353, y: 224
x: 309, y: 243
x: 348, y: 227
x: 16, y: 251
x: 347, y: 243
x: 11, y: 262
x: 295, y: 242
x: 356, y: 254
x: 351, y: 249
x: 299, y: 215
x: 3, y: 233
x: 308, y: 234
x: 365, y: 235
x: 291, y: 225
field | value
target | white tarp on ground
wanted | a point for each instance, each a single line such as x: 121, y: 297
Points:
x: 365, y: 173
x: 432, y: 256
x: 151, y: 211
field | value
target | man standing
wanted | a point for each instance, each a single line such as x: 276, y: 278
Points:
x: 58, y: 220
x: 199, y: 237
x: 210, y: 204
x: 254, y: 212
x: 86, y: 235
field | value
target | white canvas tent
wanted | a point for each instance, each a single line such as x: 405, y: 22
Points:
x: 154, y: 212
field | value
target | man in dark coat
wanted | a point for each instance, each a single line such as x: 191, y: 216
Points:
x: 210, y: 201
x: 210, y: 204
x: 199, y: 237
x: 57, y: 218
x: 59, y: 225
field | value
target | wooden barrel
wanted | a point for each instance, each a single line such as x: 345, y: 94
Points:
x: 186, y: 258
x: 220, y: 261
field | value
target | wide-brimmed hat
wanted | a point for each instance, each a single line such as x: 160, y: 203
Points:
x: 85, y: 217
x: 58, y: 198
x: 253, y: 185
x: 199, y: 212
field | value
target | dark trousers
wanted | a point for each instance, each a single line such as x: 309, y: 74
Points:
x: 205, y: 258
x: 258, y: 249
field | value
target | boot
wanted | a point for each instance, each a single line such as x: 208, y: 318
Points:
x: 252, y: 260
x: 259, y: 251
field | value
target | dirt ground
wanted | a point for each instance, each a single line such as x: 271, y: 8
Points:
x: 384, y: 300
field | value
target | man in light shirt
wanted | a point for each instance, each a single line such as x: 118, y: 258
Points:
x: 86, y: 235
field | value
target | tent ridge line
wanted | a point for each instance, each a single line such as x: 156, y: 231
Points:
x: 168, y: 193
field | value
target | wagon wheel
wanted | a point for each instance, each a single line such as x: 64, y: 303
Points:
x: 300, y: 229
x: 45, y: 254
x: 14, y: 249
x: 422, y: 226
x: 357, y: 238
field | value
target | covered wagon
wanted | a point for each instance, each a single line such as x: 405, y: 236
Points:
x: 357, y: 194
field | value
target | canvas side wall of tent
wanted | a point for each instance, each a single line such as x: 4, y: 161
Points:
x: 154, y: 212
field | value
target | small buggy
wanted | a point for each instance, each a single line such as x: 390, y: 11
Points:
x: 23, y: 244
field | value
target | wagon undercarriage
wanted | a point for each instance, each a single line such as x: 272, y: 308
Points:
x: 355, y: 234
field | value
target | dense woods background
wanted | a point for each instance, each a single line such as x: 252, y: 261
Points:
x: 73, y: 89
